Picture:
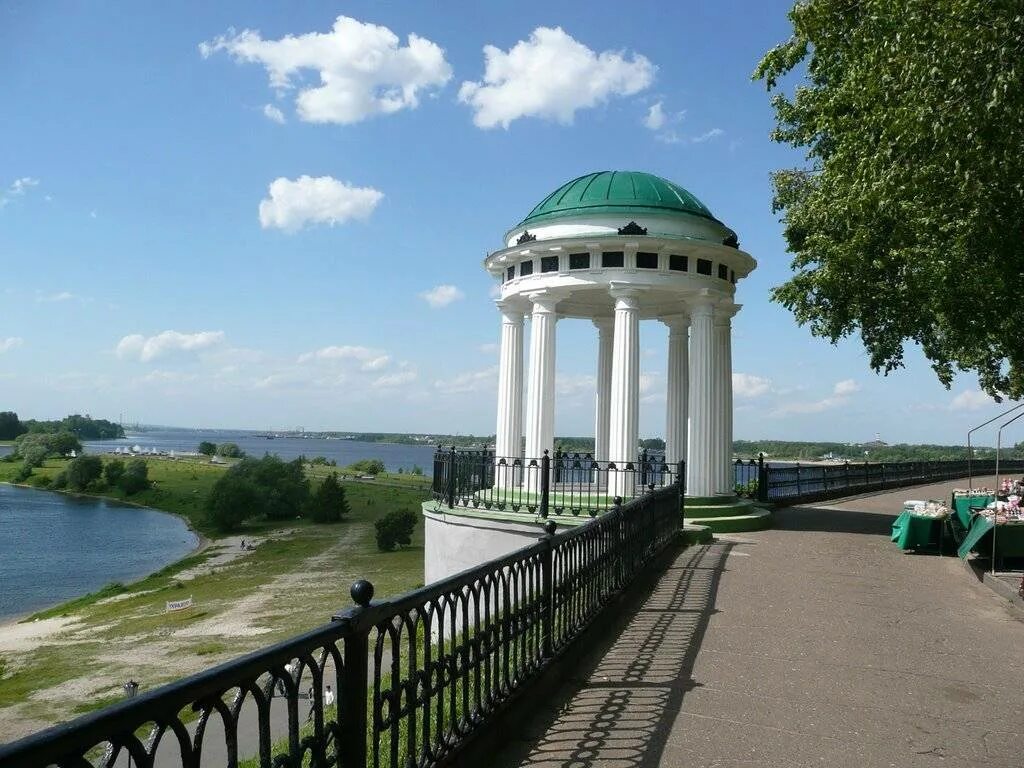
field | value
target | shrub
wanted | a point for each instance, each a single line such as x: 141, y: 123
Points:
x: 60, y: 480
x: 135, y: 477
x: 328, y: 504
x: 113, y: 472
x: 24, y: 473
x: 281, y: 488
x: 83, y: 470
x: 207, y: 448
x: 416, y: 469
x: 368, y: 467
x: 230, y: 451
x: 233, y: 499
x: 395, y: 529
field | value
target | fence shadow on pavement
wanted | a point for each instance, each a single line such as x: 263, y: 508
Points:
x: 820, y: 518
x: 620, y: 707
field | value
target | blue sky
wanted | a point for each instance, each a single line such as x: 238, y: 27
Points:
x: 259, y: 215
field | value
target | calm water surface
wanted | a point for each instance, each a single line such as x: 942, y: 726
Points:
x: 55, y: 547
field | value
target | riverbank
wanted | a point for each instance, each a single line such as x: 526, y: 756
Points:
x: 74, y: 657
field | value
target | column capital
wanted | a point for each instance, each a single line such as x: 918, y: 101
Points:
x: 544, y: 302
x: 626, y: 296
x: 603, y: 323
x: 512, y: 310
x: 727, y: 309
x: 676, y: 322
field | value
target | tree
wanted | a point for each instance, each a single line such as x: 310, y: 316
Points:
x: 10, y: 426
x: 904, y: 222
x: 367, y: 467
x: 135, y: 477
x: 206, y: 448
x: 328, y: 504
x: 35, y: 456
x: 395, y: 529
x: 83, y: 470
x: 230, y: 451
x: 280, y: 489
x: 63, y: 443
x: 113, y: 472
x: 233, y: 499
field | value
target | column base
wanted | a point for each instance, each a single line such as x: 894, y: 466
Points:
x: 726, y: 514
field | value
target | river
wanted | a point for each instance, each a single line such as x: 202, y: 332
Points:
x: 55, y: 547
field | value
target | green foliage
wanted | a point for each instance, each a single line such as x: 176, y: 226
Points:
x: 135, y: 477
x: 34, y: 456
x: 24, y: 473
x: 230, y: 451
x: 82, y: 427
x: 10, y: 425
x: 905, y: 222
x: 60, y: 481
x: 367, y: 467
x: 395, y: 529
x: 51, y: 443
x: 113, y: 472
x: 83, y: 471
x: 267, y: 487
x: 781, y: 450
x: 206, y: 448
x: 328, y: 504
x: 416, y: 470
x: 322, y: 461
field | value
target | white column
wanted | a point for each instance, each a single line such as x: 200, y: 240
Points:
x: 678, y: 395
x: 701, y: 462
x: 723, y: 349
x: 509, y: 431
x: 624, y: 412
x: 540, y: 401
x: 602, y: 406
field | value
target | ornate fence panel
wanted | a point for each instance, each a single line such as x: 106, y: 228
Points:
x: 801, y: 483
x: 400, y: 682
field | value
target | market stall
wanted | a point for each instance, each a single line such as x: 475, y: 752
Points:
x: 920, y: 524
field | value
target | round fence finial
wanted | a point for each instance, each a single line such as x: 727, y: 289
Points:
x: 549, y: 527
x: 617, y: 501
x: 362, y: 592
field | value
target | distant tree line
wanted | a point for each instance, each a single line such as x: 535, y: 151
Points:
x: 82, y: 427
x: 795, y: 450
x: 224, y: 450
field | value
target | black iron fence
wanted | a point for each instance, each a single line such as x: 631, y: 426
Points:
x: 406, y: 681
x: 800, y: 483
x: 571, y: 484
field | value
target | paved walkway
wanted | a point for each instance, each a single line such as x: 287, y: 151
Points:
x: 814, y: 643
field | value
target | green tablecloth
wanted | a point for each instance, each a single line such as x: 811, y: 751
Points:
x: 1009, y: 539
x: 962, y: 504
x: 910, y: 530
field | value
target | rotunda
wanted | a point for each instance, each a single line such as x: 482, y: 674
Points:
x: 618, y: 248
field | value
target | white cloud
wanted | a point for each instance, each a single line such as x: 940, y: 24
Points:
x: 489, y: 349
x: 11, y: 342
x: 273, y: 113
x: 61, y: 296
x: 139, y: 347
x: 470, y: 381
x: 441, y: 296
x: 17, y: 188
x: 376, y: 363
x: 747, y: 385
x: 293, y: 205
x: 655, y: 119
x: 714, y: 133
x: 396, y: 379
x: 840, y: 396
x: 364, y: 355
x: 845, y: 387
x: 971, y: 400
x: 574, y: 384
x: 363, y: 68
x: 550, y: 76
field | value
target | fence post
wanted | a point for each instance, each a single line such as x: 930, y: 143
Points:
x: 352, y: 698
x: 847, y: 473
x: 762, y: 478
x: 620, y: 543
x: 798, y: 478
x: 681, y: 482
x: 547, y: 587
x: 643, y: 467
x: 545, y: 483
x: 450, y: 492
x: 483, y: 468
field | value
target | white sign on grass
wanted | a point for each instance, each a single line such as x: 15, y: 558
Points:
x: 179, y: 605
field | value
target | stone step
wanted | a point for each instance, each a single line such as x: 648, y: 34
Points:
x: 757, y: 520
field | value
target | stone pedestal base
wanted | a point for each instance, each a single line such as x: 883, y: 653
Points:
x: 726, y: 514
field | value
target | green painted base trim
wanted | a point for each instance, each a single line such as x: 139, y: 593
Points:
x: 523, y: 518
x: 697, y: 534
x: 728, y: 507
x: 757, y: 520
x: 712, y: 501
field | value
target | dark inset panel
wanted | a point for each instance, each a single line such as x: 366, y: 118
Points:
x: 646, y: 260
x: 510, y: 273
x: 579, y: 261
x: 526, y: 268
x: 613, y: 259
x: 732, y: 276
x: 678, y: 263
x: 548, y: 263
x: 703, y: 266
x: 723, y: 272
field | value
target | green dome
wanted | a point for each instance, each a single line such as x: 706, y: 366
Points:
x: 625, y: 192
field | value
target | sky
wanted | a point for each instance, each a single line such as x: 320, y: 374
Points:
x: 273, y: 215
